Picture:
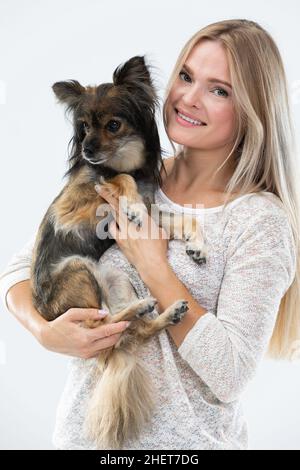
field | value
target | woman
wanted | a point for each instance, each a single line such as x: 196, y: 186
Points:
x: 226, y: 106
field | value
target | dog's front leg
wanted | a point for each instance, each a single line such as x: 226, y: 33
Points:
x: 131, y: 202
x: 182, y: 227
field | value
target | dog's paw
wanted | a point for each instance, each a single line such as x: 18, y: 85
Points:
x: 178, y: 311
x: 135, y: 212
x: 196, y: 250
x: 146, y: 306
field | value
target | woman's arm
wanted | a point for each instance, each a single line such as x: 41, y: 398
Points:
x: 173, y: 289
x: 225, y: 346
x: 146, y: 249
x: 19, y: 302
x: 65, y: 334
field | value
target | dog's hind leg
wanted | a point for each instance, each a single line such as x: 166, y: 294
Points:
x: 122, y: 301
x: 73, y: 284
x: 171, y: 316
x: 120, y: 297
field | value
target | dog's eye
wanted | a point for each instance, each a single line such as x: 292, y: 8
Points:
x: 86, y: 127
x: 113, y: 126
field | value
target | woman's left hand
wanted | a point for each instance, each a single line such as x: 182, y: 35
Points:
x: 145, y: 247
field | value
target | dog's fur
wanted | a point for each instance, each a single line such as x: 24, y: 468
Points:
x: 116, y: 144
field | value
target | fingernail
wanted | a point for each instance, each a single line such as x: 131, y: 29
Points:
x: 127, y: 323
x: 103, y: 313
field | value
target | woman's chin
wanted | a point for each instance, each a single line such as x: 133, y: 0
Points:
x: 176, y: 136
x: 180, y: 140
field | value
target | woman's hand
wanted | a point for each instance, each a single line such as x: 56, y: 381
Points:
x: 145, y: 247
x: 65, y: 334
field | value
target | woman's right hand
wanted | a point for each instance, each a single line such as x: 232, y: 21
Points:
x: 66, y: 335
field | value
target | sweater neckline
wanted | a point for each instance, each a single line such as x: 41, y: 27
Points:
x: 202, y: 210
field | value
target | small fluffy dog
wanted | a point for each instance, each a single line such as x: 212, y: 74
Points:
x: 115, y: 144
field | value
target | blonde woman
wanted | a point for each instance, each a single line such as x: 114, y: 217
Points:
x: 226, y: 106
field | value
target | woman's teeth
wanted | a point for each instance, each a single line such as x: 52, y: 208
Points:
x: 192, y: 121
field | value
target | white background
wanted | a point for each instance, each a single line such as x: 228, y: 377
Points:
x: 45, y: 41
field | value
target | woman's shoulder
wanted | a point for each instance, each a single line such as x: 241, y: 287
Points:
x: 261, y: 203
x: 260, y: 214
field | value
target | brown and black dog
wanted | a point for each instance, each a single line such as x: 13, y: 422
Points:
x: 116, y: 144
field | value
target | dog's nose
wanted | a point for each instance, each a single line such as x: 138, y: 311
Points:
x: 88, y: 150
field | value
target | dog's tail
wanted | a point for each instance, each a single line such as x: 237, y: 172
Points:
x: 121, y: 403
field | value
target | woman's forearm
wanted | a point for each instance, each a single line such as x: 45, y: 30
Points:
x: 167, y: 289
x: 64, y: 335
x: 162, y: 283
x: 19, y: 302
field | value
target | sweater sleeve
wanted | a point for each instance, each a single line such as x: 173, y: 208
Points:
x: 17, y: 269
x: 225, y: 347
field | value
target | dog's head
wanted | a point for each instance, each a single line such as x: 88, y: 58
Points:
x: 114, y: 123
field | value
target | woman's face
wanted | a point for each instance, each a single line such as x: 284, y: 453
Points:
x: 199, y: 93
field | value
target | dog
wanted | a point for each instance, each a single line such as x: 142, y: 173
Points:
x: 115, y: 144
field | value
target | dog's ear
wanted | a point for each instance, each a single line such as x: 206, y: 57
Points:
x: 133, y: 71
x: 69, y: 92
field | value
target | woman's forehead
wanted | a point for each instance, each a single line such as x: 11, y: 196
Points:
x: 209, y: 57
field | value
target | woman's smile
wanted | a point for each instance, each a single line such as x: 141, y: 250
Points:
x: 186, y: 121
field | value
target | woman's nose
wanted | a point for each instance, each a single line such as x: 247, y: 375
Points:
x: 192, y: 97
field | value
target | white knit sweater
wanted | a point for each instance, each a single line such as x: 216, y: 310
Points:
x: 251, y: 263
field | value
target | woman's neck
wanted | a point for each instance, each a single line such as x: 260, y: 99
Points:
x: 191, y: 171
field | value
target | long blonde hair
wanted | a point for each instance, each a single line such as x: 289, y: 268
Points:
x: 264, y: 150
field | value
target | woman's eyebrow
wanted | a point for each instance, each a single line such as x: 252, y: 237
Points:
x: 211, y: 80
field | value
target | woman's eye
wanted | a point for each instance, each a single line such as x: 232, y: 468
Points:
x: 184, y: 74
x: 223, y: 92
x: 186, y: 78
x: 113, y: 126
